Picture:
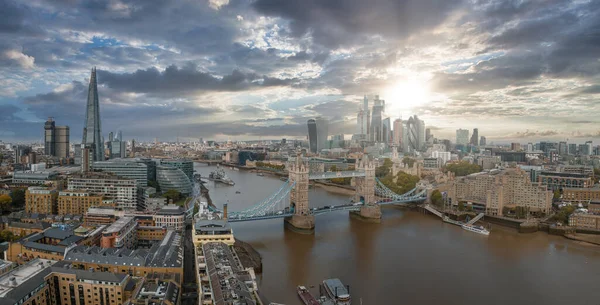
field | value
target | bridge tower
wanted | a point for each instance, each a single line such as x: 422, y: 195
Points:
x: 302, y: 220
x: 365, y: 192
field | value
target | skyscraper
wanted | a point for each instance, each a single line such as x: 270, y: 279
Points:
x: 398, y: 132
x: 376, y: 130
x: 366, y: 117
x: 360, y: 123
x: 482, y: 141
x: 322, y: 133
x: 387, y: 131
x: 312, y: 135
x: 562, y: 148
x: 91, y: 130
x: 475, y: 137
x: 462, y: 136
x: 56, y: 139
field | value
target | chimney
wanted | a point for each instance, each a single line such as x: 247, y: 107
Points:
x: 225, y: 211
x: 13, y: 281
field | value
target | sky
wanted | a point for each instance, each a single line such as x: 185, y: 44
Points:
x: 240, y: 69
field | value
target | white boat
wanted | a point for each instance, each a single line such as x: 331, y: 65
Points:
x: 476, y: 229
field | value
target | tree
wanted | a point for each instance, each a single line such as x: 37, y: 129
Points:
x: 381, y: 171
x: 436, y: 198
x: 402, y: 183
x: 18, y: 197
x: 333, y: 168
x: 172, y: 194
x: 6, y: 235
x: 408, y: 161
x: 5, y: 202
x: 154, y: 184
x: 387, y: 162
x: 556, y: 195
x: 461, y: 206
x: 462, y: 168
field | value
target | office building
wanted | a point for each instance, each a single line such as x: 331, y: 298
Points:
x: 572, y: 149
x: 562, y: 180
x: 366, y: 117
x: 49, y: 137
x: 581, y: 195
x: 462, y: 136
x: 428, y: 135
x: 186, y: 166
x: 171, y: 217
x: 386, y: 131
x: 398, y: 132
x: 56, y: 139
x: 173, y: 178
x: 117, y: 149
x: 563, y: 149
x: 421, y: 134
x: 376, y: 128
x: 208, y: 231
x: 515, y: 146
x: 475, y: 137
x: 121, y: 233
x: 122, y: 190
x: 492, y: 192
x: 589, y: 148
x: 92, y: 135
x: 312, y: 135
x: 529, y: 147
x: 77, y: 202
x: 322, y: 133
x: 482, y: 141
x: 41, y: 200
x: 33, y: 178
x: 125, y: 168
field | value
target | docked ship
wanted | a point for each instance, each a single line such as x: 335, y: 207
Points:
x: 219, y: 175
x: 306, y: 297
x: 339, y: 293
x: 476, y: 229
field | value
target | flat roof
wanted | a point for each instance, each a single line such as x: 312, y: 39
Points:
x: 20, y: 281
x: 119, y: 224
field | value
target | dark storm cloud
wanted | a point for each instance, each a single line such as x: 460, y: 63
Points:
x: 185, y: 79
x: 347, y: 22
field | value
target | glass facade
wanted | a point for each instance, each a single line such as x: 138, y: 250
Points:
x: 173, y: 178
x: 186, y: 166
x: 125, y: 169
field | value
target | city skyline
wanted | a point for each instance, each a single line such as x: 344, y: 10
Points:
x: 259, y: 69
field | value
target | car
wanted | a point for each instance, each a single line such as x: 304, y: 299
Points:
x: 279, y: 213
x: 358, y: 203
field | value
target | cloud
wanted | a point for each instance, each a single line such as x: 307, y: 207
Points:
x: 17, y: 58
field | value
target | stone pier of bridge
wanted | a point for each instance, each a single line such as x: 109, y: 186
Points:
x: 303, y: 221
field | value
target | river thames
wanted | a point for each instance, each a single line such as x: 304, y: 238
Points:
x: 410, y: 258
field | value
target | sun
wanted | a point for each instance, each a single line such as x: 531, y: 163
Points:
x: 406, y: 95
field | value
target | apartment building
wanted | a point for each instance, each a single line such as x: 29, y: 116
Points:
x: 77, y: 202
x: 580, y: 195
x: 121, y: 233
x: 585, y: 221
x: 170, y: 217
x: 122, y: 190
x: 41, y: 200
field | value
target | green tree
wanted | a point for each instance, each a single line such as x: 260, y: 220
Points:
x: 333, y: 168
x: 400, y: 184
x: 462, y: 168
x: 461, y: 206
x: 387, y: 162
x: 18, y: 197
x: 382, y: 171
x: 563, y: 214
x: 154, y: 184
x: 6, y: 235
x: 556, y: 195
x: 408, y: 161
x: 436, y: 198
x: 172, y: 194
x: 5, y: 202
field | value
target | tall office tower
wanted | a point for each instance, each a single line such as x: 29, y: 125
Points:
x: 482, y: 141
x: 387, y: 131
x: 366, y: 117
x: 421, y: 133
x: 132, y: 153
x: 475, y: 137
x: 376, y: 134
x: 119, y: 135
x: 589, y: 148
x: 360, y: 117
x: 312, y: 135
x: 405, y: 132
x: 563, y: 149
x: 62, y: 146
x: 322, y: 133
x: 572, y: 149
x: 91, y: 130
x: 462, y: 136
x: 56, y: 139
x: 50, y: 137
x: 398, y: 132
x: 413, y: 134
x: 428, y: 135
x: 529, y: 147
x: 111, y: 136
x: 117, y: 149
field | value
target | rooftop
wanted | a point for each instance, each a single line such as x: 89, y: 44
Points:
x: 211, y: 225
x: 167, y: 253
x: 65, y: 267
x: 171, y: 209
x: 18, y: 283
x: 119, y: 224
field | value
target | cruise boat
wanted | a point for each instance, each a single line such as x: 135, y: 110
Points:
x: 306, y: 297
x: 337, y: 291
x: 476, y: 229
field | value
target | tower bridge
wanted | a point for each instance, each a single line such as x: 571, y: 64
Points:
x: 291, y: 202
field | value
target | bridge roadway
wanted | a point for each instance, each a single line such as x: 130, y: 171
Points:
x: 341, y: 174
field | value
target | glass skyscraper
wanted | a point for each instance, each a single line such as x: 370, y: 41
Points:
x: 91, y: 131
x: 312, y: 135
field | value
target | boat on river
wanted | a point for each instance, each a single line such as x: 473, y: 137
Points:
x: 306, y: 297
x: 219, y: 175
x: 336, y: 290
x: 476, y: 229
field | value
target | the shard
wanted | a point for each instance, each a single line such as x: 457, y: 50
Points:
x: 92, y: 135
